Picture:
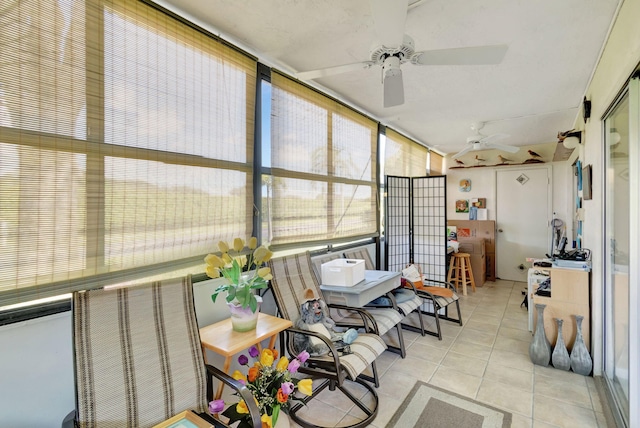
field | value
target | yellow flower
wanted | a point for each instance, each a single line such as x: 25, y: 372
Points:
x: 212, y: 272
x: 266, y: 421
x: 237, y: 375
x: 242, y: 261
x: 238, y: 244
x: 262, y: 254
x: 304, y: 386
x: 227, y: 259
x: 264, y: 272
x: 282, y: 365
x: 266, y: 359
x: 214, y: 261
x: 253, y: 243
x: 242, y: 408
x: 223, y: 247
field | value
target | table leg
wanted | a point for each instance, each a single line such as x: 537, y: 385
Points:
x: 225, y: 368
x: 272, y: 341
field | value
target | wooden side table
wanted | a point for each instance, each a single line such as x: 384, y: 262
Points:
x: 221, y: 339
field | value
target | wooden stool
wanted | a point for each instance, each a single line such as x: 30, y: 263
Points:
x: 460, y: 273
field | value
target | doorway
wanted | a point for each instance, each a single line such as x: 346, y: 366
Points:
x: 523, y: 217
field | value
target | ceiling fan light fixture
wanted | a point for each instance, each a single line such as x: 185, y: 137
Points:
x: 391, y: 67
x: 571, y: 142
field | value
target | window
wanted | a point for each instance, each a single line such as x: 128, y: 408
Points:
x: 323, y: 168
x: 404, y: 157
x: 126, y: 143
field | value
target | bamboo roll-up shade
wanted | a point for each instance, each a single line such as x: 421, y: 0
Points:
x: 126, y: 144
x: 404, y: 157
x: 323, y: 163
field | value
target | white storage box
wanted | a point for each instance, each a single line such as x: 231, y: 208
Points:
x: 343, y: 272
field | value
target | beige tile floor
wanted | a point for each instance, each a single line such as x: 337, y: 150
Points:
x: 486, y: 359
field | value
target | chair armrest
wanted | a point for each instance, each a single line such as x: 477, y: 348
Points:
x: 244, y: 392
x: 436, y: 283
x: 366, y: 316
x: 69, y: 421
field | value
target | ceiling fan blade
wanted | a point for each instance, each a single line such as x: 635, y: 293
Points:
x: 503, y: 147
x: 393, y: 90
x: 494, y: 137
x: 331, y: 71
x: 475, y: 55
x: 389, y: 17
x: 464, y: 151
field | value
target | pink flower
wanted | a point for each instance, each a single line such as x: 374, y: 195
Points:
x: 294, y: 365
x: 216, y: 406
x: 243, y: 360
x: 253, y: 351
x: 287, y: 387
x: 303, y: 356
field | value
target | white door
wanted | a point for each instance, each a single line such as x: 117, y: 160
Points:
x: 523, y: 217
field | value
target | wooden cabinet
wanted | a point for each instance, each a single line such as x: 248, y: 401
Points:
x: 476, y: 248
x: 485, y: 229
x: 570, y: 295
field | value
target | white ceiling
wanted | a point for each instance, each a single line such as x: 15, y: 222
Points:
x: 536, y: 91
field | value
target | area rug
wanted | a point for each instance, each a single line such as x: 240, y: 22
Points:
x: 428, y: 406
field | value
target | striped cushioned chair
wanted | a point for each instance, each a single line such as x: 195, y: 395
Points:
x: 405, y: 306
x: 386, y: 318
x: 138, y: 359
x: 292, y: 276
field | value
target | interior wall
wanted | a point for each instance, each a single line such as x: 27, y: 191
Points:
x: 620, y: 57
x: 36, y: 362
x: 483, y: 185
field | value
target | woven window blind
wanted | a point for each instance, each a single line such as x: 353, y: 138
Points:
x: 125, y: 144
x: 404, y: 157
x: 323, y: 163
x: 435, y: 163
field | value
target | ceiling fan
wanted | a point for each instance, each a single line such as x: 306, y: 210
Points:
x: 484, y: 142
x: 396, y: 48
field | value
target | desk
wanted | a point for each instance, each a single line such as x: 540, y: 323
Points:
x: 376, y: 283
x: 221, y: 339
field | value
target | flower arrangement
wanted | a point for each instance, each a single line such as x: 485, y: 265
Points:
x: 233, y: 265
x: 272, y: 386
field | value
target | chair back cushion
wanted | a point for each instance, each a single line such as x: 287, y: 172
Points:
x: 138, y: 358
x: 361, y: 254
x: 292, y: 275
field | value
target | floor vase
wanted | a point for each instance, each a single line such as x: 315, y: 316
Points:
x: 560, y: 357
x: 540, y: 348
x: 581, y: 362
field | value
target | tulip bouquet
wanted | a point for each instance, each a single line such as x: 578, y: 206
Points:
x: 234, y: 266
x: 271, y: 384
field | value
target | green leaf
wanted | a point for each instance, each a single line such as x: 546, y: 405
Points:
x: 274, y: 415
x: 253, y: 303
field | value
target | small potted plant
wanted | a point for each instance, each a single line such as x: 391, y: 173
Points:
x: 244, y: 273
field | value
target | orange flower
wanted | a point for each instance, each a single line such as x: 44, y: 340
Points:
x: 274, y: 351
x: 253, y: 373
x: 282, y: 397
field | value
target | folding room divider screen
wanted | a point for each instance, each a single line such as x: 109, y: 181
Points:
x: 416, y: 224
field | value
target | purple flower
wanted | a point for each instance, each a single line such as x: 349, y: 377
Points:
x: 253, y: 351
x: 216, y: 406
x: 243, y: 360
x: 287, y: 387
x: 294, y: 365
x: 303, y: 356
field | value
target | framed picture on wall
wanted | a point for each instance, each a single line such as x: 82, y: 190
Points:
x: 462, y: 206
